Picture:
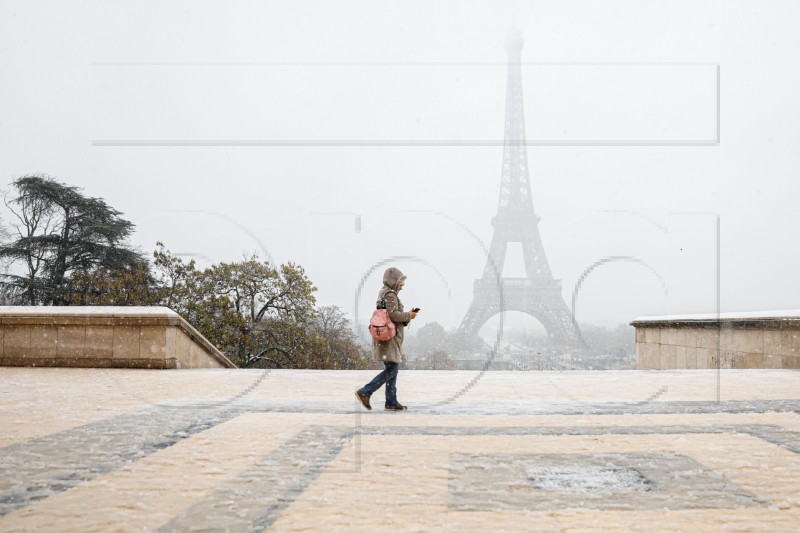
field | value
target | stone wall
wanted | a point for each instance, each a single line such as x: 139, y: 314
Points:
x: 118, y: 337
x: 730, y: 340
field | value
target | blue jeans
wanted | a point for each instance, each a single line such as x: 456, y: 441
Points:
x: 388, y: 376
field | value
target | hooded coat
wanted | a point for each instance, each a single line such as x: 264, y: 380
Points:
x: 391, y: 350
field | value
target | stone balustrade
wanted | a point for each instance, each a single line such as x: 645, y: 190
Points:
x: 768, y: 339
x: 119, y: 337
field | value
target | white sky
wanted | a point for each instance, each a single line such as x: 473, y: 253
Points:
x: 71, y: 74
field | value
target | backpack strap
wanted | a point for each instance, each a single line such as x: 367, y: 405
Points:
x: 382, y: 305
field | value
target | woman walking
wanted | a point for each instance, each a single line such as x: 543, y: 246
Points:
x: 390, y: 352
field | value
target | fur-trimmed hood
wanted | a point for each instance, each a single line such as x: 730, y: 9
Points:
x: 392, y: 277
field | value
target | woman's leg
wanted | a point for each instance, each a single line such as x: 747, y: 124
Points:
x: 375, y: 384
x: 391, y: 383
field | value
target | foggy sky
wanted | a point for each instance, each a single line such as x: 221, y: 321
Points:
x: 74, y: 73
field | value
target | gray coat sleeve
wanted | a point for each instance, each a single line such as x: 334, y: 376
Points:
x: 395, y: 309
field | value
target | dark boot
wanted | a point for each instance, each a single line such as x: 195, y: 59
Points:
x: 364, y: 399
x: 395, y: 407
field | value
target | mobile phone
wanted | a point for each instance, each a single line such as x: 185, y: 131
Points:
x: 416, y: 309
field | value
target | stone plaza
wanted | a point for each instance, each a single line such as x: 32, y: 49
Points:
x: 253, y: 450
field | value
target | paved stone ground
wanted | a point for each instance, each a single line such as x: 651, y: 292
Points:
x: 234, y: 450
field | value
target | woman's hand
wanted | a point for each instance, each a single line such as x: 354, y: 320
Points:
x: 413, y: 314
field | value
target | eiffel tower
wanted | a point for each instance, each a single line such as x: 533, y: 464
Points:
x: 538, y: 294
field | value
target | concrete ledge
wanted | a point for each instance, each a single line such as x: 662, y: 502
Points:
x: 769, y: 339
x: 105, y: 337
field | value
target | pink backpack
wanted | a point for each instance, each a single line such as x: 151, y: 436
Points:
x: 381, y: 326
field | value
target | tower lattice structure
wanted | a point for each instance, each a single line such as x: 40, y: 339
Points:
x: 537, y: 294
